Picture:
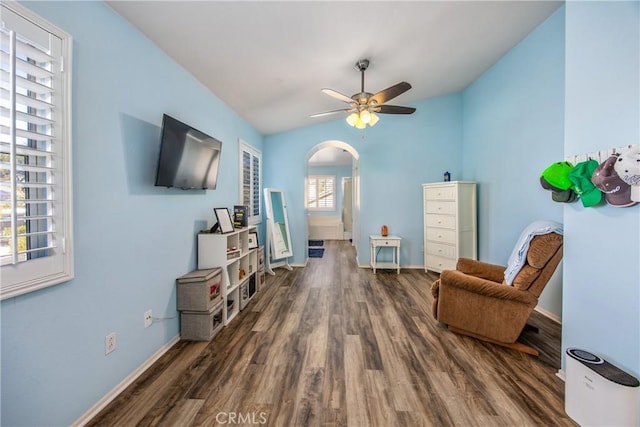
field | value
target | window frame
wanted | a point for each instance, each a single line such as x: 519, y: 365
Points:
x: 57, y: 268
x: 316, y: 178
x: 243, y: 146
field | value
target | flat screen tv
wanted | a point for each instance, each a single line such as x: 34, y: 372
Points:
x: 189, y: 159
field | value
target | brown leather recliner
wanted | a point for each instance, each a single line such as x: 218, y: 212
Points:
x: 474, y: 300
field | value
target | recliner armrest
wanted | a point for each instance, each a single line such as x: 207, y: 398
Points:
x: 492, y: 272
x: 484, y: 287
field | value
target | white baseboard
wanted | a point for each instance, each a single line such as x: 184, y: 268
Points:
x: 549, y: 315
x: 560, y: 374
x: 107, y: 398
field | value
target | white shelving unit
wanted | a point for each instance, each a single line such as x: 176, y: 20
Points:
x: 217, y: 250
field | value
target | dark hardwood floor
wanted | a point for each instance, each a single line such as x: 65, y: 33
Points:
x: 332, y: 344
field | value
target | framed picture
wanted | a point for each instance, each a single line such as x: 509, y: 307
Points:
x: 253, y: 240
x: 224, y: 220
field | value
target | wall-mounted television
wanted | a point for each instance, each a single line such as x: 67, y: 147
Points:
x: 189, y: 159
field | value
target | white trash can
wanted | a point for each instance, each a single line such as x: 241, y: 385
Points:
x: 598, y: 393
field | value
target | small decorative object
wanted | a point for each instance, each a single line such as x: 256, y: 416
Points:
x: 224, y: 221
x: 241, y: 274
x: 253, y: 240
x: 447, y: 176
x: 384, y: 231
x: 240, y: 216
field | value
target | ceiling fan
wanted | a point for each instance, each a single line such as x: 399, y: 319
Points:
x: 364, y: 106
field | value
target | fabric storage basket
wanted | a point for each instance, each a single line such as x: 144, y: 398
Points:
x: 201, y: 325
x: 247, y: 290
x: 199, y: 290
x: 260, y: 257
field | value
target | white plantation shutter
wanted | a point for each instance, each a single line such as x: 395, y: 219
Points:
x: 321, y: 192
x: 35, y: 217
x: 251, y: 180
x: 255, y: 186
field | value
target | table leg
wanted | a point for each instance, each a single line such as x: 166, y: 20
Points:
x: 373, y: 259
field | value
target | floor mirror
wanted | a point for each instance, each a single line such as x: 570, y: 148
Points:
x: 278, y: 236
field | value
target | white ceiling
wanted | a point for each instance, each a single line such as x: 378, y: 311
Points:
x: 268, y: 60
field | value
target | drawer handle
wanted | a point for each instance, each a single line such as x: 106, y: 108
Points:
x: 439, y: 251
x: 439, y: 222
x: 439, y: 236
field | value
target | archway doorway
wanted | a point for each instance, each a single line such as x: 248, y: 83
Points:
x: 332, y: 192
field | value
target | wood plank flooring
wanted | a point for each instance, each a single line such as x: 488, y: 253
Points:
x: 335, y: 345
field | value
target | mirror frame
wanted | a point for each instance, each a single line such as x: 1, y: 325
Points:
x: 273, y: 227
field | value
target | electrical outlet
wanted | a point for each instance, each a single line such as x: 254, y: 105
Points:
x: 148, y: 318
x: 110, y: 343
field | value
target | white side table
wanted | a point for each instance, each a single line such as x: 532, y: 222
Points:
x: 378, y: 241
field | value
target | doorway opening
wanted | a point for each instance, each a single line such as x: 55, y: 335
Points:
x: 332, y: 196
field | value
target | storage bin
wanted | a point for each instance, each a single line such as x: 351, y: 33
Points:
x: 231, y: 307
x: 199, y: 290
x: 247, y: 291
x: 260, y: 257
x: 201, y: 325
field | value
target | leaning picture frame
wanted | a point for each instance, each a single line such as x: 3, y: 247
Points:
x: 224, y: 220
x: 253, y: 240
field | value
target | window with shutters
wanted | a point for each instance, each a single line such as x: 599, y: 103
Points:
x: 321, y: 193
x: 35, y: 153
x: 251, y: 181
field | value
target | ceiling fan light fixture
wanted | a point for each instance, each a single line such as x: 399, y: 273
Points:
x: 361, y: 119
x: 352, y: 119
x: 365, y: 116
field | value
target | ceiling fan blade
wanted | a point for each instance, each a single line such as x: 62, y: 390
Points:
x: 338, y: 95
x: 394, y: 109
x: 390, y: 93
x: 326, y: 113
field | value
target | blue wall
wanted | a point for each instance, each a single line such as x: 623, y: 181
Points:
x: 131, y: 239
x: 513, y: 129
x: 396, y: 157
x: 602, y: 254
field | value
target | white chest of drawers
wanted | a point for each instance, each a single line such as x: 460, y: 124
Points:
x: 450, y: 230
